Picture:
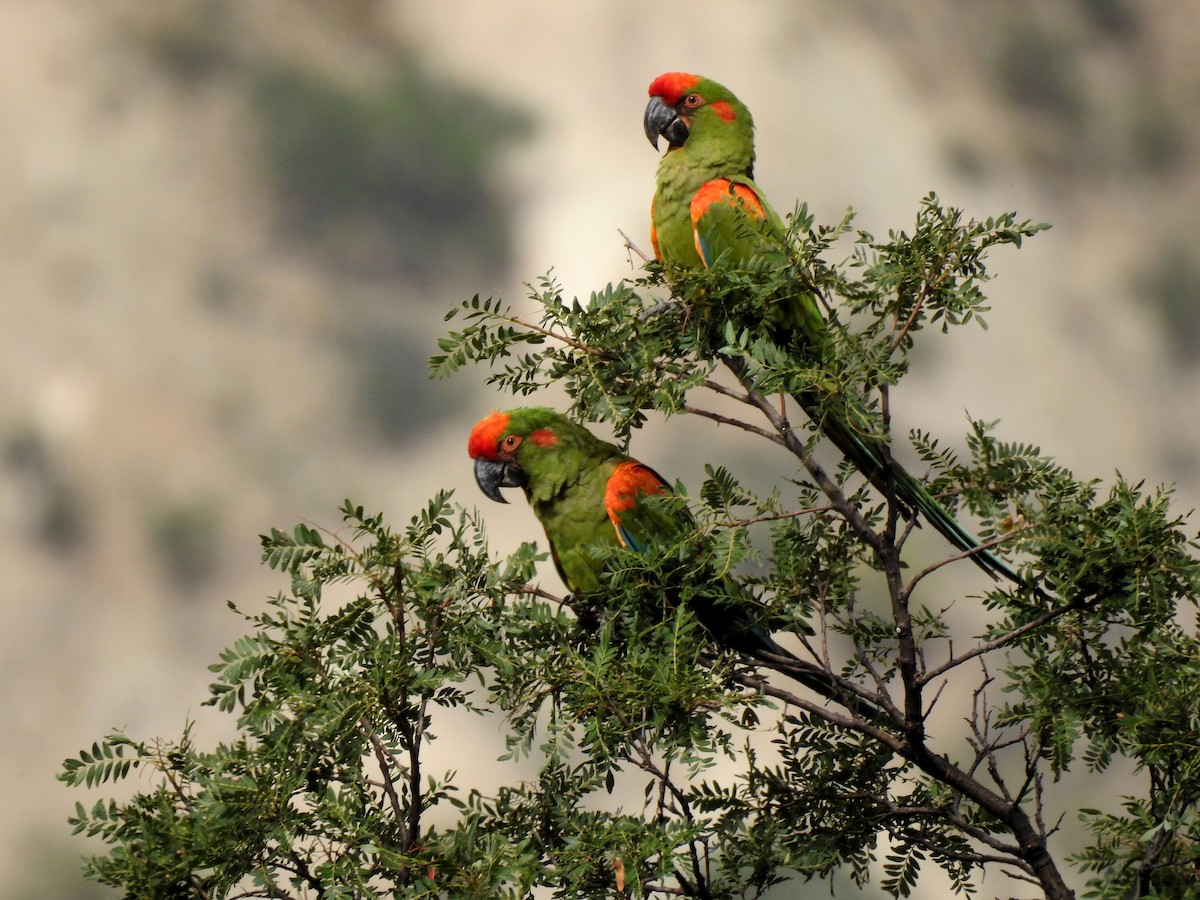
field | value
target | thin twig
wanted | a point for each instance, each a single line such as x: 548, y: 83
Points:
x: 1014, y: 635
x: 912, y: 318
x: 774, y: 517
x: 829, y: 691
x: 967, y: 554
x: 630, y: 245
x: 916, y: 837
x: 937, y: 695
x: 569, y: 341
x: 919, y: 305
x: 645, y: 762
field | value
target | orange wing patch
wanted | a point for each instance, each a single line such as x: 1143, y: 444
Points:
x: 722, y: 190
x: 628, y: 480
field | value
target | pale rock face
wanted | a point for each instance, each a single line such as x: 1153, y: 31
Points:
x: 119, y: 189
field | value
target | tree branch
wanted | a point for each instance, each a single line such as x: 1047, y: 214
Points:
x: 631, y: 246
x: 1006, y: 639
x: 385, y: 760
x: 1032, y: 844
x: 736, y: 423
x: 797, y: 448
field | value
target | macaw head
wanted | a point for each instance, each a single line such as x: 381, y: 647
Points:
x: 682, y: 106
x: 533, y: 448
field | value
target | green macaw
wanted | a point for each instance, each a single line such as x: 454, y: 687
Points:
x: 708, y: 212
x: 588, y: 494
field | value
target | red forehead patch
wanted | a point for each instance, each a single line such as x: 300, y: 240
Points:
x: 485, y: 436
x: 671, y: 86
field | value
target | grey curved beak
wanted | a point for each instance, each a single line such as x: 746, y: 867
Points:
x: 493, y: 474
x: 661, y: 119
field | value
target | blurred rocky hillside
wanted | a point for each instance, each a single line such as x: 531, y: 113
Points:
x: 229, y: 232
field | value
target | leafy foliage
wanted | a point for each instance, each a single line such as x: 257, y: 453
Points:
x: 646, y: 761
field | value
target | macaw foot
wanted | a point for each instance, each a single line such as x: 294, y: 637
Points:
x: 657, y: 309
x: 590, y: 615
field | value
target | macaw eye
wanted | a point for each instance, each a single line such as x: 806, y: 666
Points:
x: 512, y: 442
x: 691, y: 101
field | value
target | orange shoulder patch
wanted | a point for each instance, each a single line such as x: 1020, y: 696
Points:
x: 722, y: 190
x: 628, y: 480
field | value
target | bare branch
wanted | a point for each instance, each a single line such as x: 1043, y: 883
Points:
x: 773, y: 517
x: 385, y: 761
x: 816, y: 471
x: 558, y: 336
x: 736, y: 423
x: 533, y: 590
x: 1006, y: 639
x: 965, y: 554
x: 716, y: 387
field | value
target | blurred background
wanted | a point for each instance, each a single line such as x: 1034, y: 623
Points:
x: 229, y: 233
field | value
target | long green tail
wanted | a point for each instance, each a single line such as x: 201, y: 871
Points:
x: 871, y: 458
x: 796, y: 321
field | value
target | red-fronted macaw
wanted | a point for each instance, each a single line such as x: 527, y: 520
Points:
x: 589, y: 494
x: 708, y: 212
